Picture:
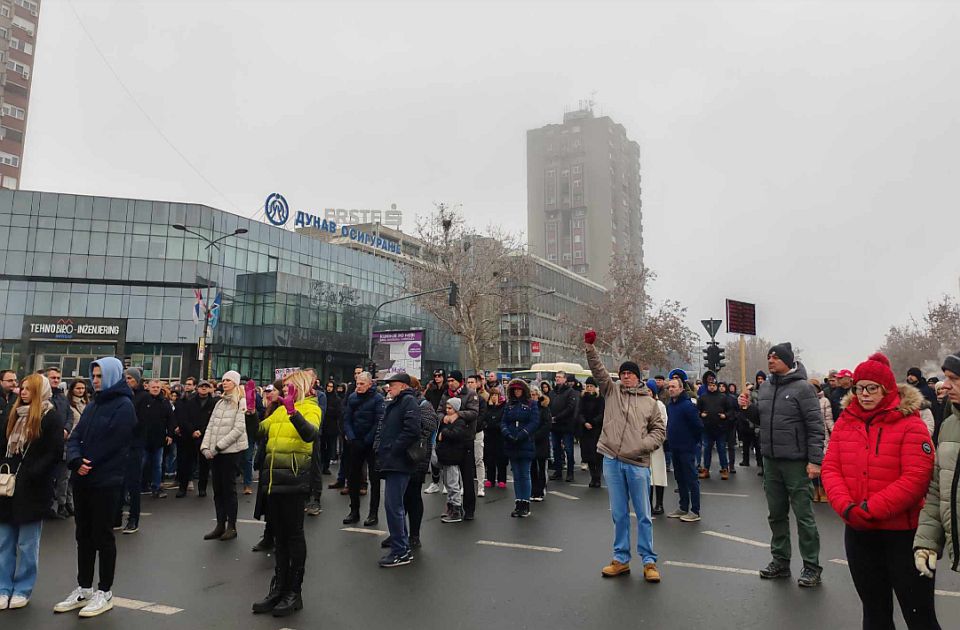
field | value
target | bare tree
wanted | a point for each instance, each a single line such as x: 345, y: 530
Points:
x: 923, y: 344
x: 630, y: 325
x: 479, y: 264
x: 757, y: 349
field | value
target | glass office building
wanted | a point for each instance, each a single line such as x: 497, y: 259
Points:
x: 82, y: 277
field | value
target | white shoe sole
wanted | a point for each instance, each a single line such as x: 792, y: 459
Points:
x: 12, y: 605
x: 63, y: 608
x: 689, y: 520
x: 94, y: 613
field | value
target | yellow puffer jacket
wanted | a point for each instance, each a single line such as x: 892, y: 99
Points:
x: 287, y: 464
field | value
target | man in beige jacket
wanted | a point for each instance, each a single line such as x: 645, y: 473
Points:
x: 632, y: 429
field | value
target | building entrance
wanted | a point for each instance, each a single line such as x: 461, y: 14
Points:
x: 73, y: 358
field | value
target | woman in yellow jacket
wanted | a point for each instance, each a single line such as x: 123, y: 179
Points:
x: 286, y: 472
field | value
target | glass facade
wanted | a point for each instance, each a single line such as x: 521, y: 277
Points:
x: 106, y: 265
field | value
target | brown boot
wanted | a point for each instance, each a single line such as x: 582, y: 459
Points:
x: 650, y: 572
x: 615, y: 569
x: 724, y: 474
x: 704, y: 474
x: 217, y: 532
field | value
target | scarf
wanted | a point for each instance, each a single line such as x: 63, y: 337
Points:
x: 18, y: 437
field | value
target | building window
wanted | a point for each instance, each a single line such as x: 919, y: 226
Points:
x: 26, y: 25
x: 12, y: 110
x: 19, y: 68
x: 9, y: 159
x: 32, y: 7
x: 10, y: 182
x: 4, y: 10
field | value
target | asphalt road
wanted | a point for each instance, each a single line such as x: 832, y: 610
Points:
x: 457, y: 581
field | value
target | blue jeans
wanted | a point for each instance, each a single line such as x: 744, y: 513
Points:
x: 522, y: 485
x: 247, y: 464
x: 627, y: 484
x: 699, y: 451
x: 721, y: 443
x: 153, y: 463
x: 18, y: 578
x: 170, y: 459
x: 395, y: 487
x: 562, y: 445
x: 688, y: 484
x: 131, y: 487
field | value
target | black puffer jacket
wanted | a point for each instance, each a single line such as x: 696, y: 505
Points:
x: 713, y: 405
x: 34, y: 490
x: 563, y: 409
x: 334, y: 418
x: 541, y: 437
x: 590, y: 412
x: 791, y: 423
x: 155, y: 419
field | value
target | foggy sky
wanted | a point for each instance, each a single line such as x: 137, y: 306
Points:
x: 802, y: 156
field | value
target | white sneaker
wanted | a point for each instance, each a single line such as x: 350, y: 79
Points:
x: 79, y: 598
x: 100, y: 603
x: 690, y: 517
x: 433, y: 488
x: 18, y: 601
x: 584, y: 467
x: 677, y: 513
x: 481, y: 492
x: 444, y: 489
x: 4, y: 600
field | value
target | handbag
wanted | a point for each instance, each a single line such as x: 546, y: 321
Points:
x: 8, y: 479
x: 418, y: 451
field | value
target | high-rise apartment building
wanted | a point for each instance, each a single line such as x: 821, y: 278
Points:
x: 18, y: 36
x: 583, y: 193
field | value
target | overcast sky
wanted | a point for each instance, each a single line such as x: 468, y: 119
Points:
x: 800, y: 155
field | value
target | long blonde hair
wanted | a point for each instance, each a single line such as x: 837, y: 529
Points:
x: 302, y: 381
x: 39, y: 403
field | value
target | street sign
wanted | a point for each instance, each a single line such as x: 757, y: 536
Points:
x: 712, y: 326
x: 741, y: 318
x: 535, y: 348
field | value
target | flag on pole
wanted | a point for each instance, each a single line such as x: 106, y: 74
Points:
x: 198, y: 307
x: 215, y: 311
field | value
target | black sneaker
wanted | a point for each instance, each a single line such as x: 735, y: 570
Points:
x: 132, y: 527
x: 809, y: 578
x: 391, y: 560
x: 555, y: 476
x: 159, y: 494
x: 775, y: 570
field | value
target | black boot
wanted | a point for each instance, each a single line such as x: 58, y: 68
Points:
x: 556, y: 476
x: 516, y: 509
x: 524, y: 509
x: 352, y: 517
x: 269, y: 602
x: 217, y: 532
x: 265, y: 544
x: 291, y: 601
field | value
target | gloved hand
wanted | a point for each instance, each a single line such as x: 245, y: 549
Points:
x: 925, y: 561
x: 859, y: 519
x: 290, y: 399
x: 590, y: 337
x: 250, y: 391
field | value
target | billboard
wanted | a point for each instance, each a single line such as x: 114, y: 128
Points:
x: 398, y: 351
x: 741, y: 318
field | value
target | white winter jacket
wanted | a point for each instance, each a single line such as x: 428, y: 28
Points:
x: 227, y: 430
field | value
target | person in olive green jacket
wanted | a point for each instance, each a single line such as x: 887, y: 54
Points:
x: 286, y: 471
x: 938, y: 531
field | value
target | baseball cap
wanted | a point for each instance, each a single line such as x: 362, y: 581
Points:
x: 844, y: 374
x: 204, y: 383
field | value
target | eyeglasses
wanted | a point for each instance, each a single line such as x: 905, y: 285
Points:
x: 868, y: 389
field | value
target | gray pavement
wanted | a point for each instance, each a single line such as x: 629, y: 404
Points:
x: 456, y: 582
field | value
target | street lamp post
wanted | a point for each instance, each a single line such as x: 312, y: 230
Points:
x: 452, y: 289
x: 211, y: 244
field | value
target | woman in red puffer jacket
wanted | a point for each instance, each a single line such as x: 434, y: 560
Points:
x: 876, y: 472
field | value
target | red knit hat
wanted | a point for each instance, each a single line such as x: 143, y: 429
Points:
x: 876, y: 368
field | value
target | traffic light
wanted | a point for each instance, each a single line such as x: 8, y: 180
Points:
x: 713, y: 357
x: 720, y: 358
x: 706, y: 357
x: 454, y: 294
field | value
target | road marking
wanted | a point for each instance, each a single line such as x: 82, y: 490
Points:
x: 726, y: 494
x: 364, y: 530
x: 746, y: 541
x: 711, y: 567
x: 135, y: 604
x: 839, y: 561
x: 563, y: 495
x: 492, y: 543
x: 245, y: 521
x: 581, y: 485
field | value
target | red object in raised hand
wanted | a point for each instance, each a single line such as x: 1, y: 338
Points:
x: 590, y: 337
x: 250, y: 391
x: 290, y: 399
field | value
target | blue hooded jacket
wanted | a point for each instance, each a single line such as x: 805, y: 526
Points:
x: 105, y: 430
x: 684, y: 426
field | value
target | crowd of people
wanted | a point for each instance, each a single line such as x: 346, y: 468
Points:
x: 883, y: 455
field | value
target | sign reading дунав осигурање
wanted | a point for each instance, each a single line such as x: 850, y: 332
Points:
x: 74, y: 329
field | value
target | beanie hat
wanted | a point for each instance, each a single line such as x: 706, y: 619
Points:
x: 915, y: 371
x: 759, y: 374
x: 231, y: 375
x: 629, y: 366
x: 678, y: 373
x: 456, y: 375
x: 652, y: 384
x: 135, y: 373
x: 455, y: 403
x: 571, y: 379
x: 784, y: 352
x: 952, y: 363
x: 591, y: 381
x: 876, y: 368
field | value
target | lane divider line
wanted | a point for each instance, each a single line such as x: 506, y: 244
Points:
x: 364, y: 530
x: 136, y: 604
x: 493, y: 543
x: 245, y: 521
x: 746, y: 541
x: 725, y: 494
x: 563, y: 495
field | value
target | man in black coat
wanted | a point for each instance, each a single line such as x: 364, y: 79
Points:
x: 563, y: 408
x: 191, y: 418
x: 915, y: 378
x: 58, y: 507
x: 155, y: 415
x: 715, y: 411
x: 396, y: 433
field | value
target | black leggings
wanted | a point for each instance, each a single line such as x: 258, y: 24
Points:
x: 225, y: 467
x: 286, y: 522
x: 538, y: 476
x: 881, y: 564
x: 328, y: 448
x: 361, y: 454
x: 493, y: 458
x: 413, y: 503
x: 94, y: 508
